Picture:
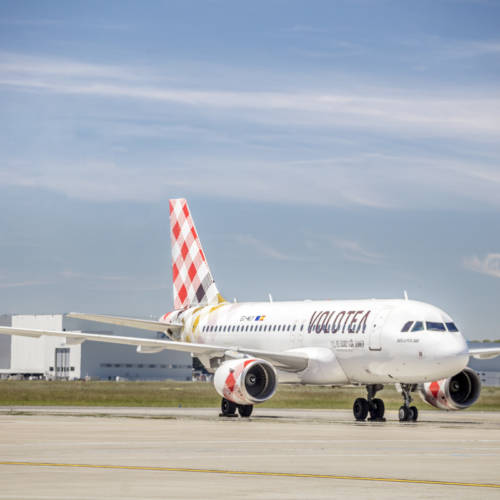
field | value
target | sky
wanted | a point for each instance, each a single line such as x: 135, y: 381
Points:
x: 327, y: 149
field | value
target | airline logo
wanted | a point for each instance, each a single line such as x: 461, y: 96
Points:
x: 193, y: 281
x: 260, y: 318
x: 338, y: 321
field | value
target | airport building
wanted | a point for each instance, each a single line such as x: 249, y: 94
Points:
x: 51, y: 358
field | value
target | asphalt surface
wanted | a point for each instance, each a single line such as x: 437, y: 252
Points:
x: 131, y: 453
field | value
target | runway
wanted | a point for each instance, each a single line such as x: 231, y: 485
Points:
x: 181, y: 453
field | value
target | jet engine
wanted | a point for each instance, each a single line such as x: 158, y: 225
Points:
x: 454, y: 393
x: 246, y: 381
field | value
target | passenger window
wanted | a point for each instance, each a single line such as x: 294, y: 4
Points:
x: 451, y: 327
x: 418, y: 326
x: 407, y: 326
x: 435, y: 327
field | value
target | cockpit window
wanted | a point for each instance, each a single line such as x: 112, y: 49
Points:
x: 407, y: 326
x: 418, y: 326
x: 451, y: 327
x: 435, y: 327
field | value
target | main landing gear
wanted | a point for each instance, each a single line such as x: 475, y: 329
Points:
x: 408, y: 413
x: 228, y: 409
x: 372, y: 405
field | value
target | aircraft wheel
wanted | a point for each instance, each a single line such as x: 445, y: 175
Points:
x: 360, y: 409
x: 413, y: 414
x: 228, y: 408
x: 377, y: 409
x: 404, y: 414
x: 245, y: 410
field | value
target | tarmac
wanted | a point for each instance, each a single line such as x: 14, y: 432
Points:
x: 151, y: 453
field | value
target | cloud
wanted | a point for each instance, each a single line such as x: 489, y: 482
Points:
x: 302, y: 146
x: 262, y: 248
x: 352, y: 250
x: 489, y: 265
x: 67, y: 274
x: 473, y: 48
x: 376, y: 181
x: 22, y: 284
x: 391, y: 109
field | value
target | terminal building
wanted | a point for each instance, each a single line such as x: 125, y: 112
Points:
x: 51, y: 358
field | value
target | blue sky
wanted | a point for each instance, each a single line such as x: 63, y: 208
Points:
x: 327, y: 150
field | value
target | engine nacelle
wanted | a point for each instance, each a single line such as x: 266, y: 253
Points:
x: 246, y: 381
x: 454, y: 393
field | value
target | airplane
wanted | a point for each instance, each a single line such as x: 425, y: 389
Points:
x: 250, y: 347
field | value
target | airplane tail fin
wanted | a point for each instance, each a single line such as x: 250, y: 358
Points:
x: 193, y: 282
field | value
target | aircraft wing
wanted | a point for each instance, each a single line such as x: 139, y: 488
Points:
x: 286, y: 361
x: 484, y: 352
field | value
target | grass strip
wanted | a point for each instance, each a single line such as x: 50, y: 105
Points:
x: 192, y: 395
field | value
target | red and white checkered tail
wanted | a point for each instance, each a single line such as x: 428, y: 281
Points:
x: 193, y: 281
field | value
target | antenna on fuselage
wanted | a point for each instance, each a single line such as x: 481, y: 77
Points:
x: 270, y: 298
x: 405, y: 294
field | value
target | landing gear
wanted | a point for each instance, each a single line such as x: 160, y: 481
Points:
x: 372, y: 405
x: 360, y: 409
x: 407, y: 413
x: 245, y: 410
x: 228, y: 409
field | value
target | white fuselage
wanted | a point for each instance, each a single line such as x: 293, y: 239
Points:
x: 348, y: 341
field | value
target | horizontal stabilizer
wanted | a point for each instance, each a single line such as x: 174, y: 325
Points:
x: 142, y: 324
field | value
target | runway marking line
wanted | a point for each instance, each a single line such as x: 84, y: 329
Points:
x: 255, y: 473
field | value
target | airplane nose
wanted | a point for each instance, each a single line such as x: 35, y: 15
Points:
x: 451, y: 353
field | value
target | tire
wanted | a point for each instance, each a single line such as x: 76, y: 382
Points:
x: 227, y: 407
x: 245, y: 410
x: 360, y: 409
x: 404, y: 414
x: 377, y: 409
x: 413, y: 414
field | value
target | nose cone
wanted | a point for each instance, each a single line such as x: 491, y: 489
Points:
x: 449, y: 352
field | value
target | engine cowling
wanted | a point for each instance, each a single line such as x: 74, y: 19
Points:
x: 454, y: 393
x: 246, y: 381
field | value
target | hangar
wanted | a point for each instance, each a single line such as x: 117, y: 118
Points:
x: 52, y: 358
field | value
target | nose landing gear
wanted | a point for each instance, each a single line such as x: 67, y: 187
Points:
x: 372, y: 405
x: 408, y: 413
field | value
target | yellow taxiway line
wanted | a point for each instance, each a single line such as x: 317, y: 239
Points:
x: 255, y: 473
